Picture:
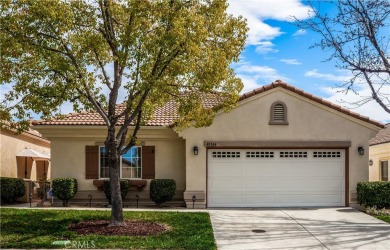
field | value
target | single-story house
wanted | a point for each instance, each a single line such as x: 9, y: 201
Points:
x: 279, y: 147
x: 379, y: 156
x: 25, y: 155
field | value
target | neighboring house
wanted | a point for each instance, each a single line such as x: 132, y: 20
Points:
x: 24, y: 155
x: 380, y: 155
x: 280, y: 147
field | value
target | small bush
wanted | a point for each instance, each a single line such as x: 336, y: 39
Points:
x: 372, y: 194
x: 64, y: 189
x: 377, y: 212
x: 162, y: 190
x: 11, y: 189
x: 124, y: 184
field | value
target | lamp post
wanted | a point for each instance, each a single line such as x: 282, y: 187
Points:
x: 90, y: 199
x: 137, y: 199
x: 30, y: 198
x: 193, y: 201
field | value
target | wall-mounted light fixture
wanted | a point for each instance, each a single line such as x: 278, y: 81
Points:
x: 196, y: 150
x: 370, y: 162
x: 361, y: 150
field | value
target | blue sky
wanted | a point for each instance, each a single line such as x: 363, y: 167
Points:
x: 277, y: 49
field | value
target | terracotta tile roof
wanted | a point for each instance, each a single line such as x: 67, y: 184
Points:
x: 279, y: 83
x: 383, y: 136
x: 166, y: 115
x: 13, y: 127
x: 163, y: 116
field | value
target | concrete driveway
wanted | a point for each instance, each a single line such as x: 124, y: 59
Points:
x: 312, y: 228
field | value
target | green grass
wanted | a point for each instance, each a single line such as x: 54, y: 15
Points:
x: 36, y: 228
x: 383, y: 217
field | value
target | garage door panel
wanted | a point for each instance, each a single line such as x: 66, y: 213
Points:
x: 292, y: 185
x: 258, y: 184
x: 259, y: 199
x: 291, y: 167
x: 293, y: 198
x: 326, y: 169
x: 327, y: 185
x: 333, y: 199
x: 226, y: 169
x: 276, y: 178
x: 225, y: 160
x: 224, y: 200
x: 226, y: 184
x: 252, y: 170
x: 274, y: 170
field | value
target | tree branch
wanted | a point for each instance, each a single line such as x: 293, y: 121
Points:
x: 106, y: 78
x: 374, y: 94
x: 130, y: 118
x: 133, y: 136
x: 88, y: 93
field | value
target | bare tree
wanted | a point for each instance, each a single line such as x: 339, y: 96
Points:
x: 358, y: 38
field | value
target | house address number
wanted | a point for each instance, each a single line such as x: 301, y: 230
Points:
x: 210, y: 144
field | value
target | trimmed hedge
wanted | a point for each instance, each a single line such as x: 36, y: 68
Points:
x: 11, y: 189
x: 162, y: 190
x: 375, y: 193
x: 64, y: 189
x: 124, y: 184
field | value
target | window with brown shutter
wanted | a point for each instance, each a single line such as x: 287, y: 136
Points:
x: 384, y: 171
x: 148, y: 162
x: 278, y: 114
x: 91, y: 162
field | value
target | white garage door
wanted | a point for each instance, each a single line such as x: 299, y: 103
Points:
x: 275, y: 178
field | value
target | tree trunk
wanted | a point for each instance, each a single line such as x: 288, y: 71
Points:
x: 116, y: 198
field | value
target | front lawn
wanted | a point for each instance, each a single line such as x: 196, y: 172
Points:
x: 38, y: 228
x: 383, y: 217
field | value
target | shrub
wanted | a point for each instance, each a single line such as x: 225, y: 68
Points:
x: 64, y: 189
x: 11, y: 189
x: 124, y: 184
x: 162, y: 190
x: 376, y: 212
x: 372, y: 194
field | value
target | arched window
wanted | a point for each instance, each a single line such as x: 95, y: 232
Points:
x: 278, y: 114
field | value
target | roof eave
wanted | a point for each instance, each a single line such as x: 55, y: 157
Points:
x: 281, y: 84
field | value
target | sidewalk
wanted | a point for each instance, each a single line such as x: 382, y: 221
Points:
x: 165, y: 209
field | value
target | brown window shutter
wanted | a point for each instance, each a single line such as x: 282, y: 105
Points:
x: 148, y: 162
x: 91, y: 162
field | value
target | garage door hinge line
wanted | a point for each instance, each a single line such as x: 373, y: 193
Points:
x: 304, y: 228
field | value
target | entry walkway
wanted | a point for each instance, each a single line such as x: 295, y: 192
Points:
x: 322, y: 228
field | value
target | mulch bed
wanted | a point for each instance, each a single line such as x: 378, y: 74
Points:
x: 132, y: 228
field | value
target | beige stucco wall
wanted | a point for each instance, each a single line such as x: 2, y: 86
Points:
x: 11, y: 144
x: 378, y: 153
x: 308, y: 121
x: 68, y: 154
